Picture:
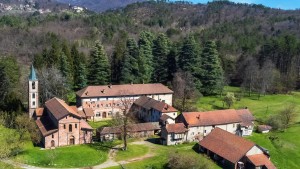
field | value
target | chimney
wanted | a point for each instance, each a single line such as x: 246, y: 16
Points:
x: 103, y: 91
x: 86, y: 93
x: 110, y: 86
x: 198, y: 117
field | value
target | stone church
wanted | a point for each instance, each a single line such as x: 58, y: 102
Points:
x: 59, y: 123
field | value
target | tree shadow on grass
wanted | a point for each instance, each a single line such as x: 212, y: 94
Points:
x: 154, y: 140
x: 103, y: 146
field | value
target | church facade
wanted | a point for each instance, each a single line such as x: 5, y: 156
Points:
x: 59, y: 124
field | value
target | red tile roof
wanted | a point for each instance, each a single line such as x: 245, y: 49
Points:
x: 216, y: 117
x: 39, y: 112
x: 81, y: 113
x: 85, y: 125
x: 176, y: 128
x: 46, y: 126
x: 131, y: 128
x: 88, y: 112
x: 226, y: 145
x: 261, y: 160
x: 264, y: 127
x: 164, y: 117
x: 126, y: 89
x: 149, y: 103
x: 59, y: 108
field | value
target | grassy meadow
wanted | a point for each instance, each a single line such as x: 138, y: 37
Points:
x: 133, y: 150
x: 66, y: 157
x: 285, y: 148
x: 160, y: 157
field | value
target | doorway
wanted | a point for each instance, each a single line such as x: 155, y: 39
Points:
x: 104, y: 115
x: 72, y: 140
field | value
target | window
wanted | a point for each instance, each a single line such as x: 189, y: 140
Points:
x: 97, y: 114
x: 33, y: 85
x: 52, y: 136
x: 192, y: 133
x: 163, y: 101
x: 76, y: 126
x: 233, y: 125
x: 174, y: 114
x: 70, y: 127
x: 33, y: 103
x: 33, y: 95
x: 64, y: 126
x: 204, y: 131
x: 66, y: 117
x: 85, y: 132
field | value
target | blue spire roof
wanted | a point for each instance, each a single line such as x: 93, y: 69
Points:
x: 32, y: 75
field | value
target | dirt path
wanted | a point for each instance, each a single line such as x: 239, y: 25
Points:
x: 110, y: 162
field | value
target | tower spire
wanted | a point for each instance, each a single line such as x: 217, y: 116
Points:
x: 32, y: 75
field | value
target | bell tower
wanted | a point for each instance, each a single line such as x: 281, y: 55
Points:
x: 33, y: 97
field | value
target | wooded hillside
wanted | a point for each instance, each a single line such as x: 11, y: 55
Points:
x: 257, y: 47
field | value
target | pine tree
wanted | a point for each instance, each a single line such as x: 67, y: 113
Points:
x: 212, y: 72
x: 161, y: 50
x: 81, y: 80
x: 53, y: 55
x: 99, y: 69
x: 145, y: 57
x: 189, y: 59
x: 130, y: 67
x: 66, y: 50
x: 117, y: 59
x: 77, y: 60
x: 64, y: 66
x: 172, y: 62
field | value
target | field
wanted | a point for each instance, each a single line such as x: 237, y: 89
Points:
x: 74, y: 156
x: 285, y: 148
x: 98, y: 124
x: 6, y: 166
x: 160, y: 156
x: 132, y: 151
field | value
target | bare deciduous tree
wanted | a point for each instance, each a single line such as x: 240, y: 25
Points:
x: 288, y: 115
x: 52, y: 84
x: 124, y: 118
x: 184, y: 90
x: 251, y: 75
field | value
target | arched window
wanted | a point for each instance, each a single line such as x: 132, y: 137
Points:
x: 33, y: 85
x: 52, y: 143
x: 70, y: 127
x: 33, y: 95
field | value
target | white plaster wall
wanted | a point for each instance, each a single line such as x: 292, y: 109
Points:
x: 172, y: 114
x: 205, y: 130
x: 254, y: 150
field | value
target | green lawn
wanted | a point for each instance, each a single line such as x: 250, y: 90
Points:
x: 7, y: 166
x: 133, y: 150
x: 98, y: 124
x: 261, y: 108
x: 285, y: 150
x: 160, y: 157
x: 62, y: 157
